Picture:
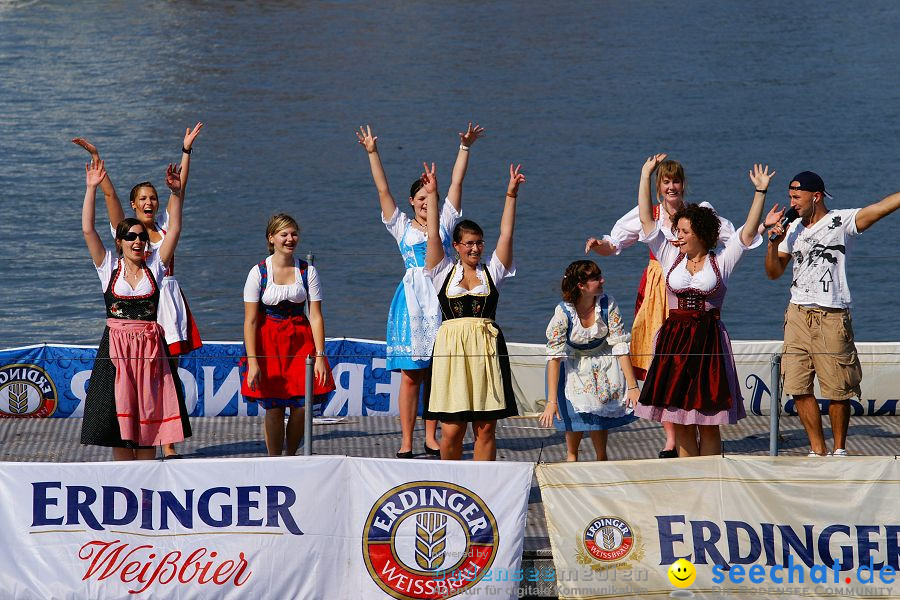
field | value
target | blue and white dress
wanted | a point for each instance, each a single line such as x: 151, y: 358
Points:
x: 591, y: 394
x: 415, y: 315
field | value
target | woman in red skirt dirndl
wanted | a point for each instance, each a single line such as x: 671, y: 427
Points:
x: 651, y: 306
x: 692, y: 381
x: 278, y: 336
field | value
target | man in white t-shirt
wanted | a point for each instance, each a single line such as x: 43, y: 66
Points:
x: 818, y: 332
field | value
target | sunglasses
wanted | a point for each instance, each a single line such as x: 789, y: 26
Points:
x: 133, y: 235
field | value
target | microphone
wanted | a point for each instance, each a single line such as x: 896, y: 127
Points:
x: 786, y: 220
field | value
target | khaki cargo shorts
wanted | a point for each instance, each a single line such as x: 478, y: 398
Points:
x: 818, y: 342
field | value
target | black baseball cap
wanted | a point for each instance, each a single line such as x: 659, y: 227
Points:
x: 808, y: 182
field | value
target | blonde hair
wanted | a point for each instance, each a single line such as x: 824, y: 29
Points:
x: 276, y: 224
x: 669, y: 169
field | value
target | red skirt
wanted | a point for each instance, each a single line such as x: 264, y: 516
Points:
x: 282, y: 346
x: 689, y: 365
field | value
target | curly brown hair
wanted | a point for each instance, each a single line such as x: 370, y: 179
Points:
x: 577, y: 272
x: 704, y: 222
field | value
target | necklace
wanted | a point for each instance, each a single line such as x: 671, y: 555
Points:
x: 424, y: 226
x: 131, y: 274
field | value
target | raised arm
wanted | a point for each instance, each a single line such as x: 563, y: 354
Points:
x: 176, y: 181
x: 645, y: 203
x: 508, y: 220
x: 760, y: 177
x: 434, y: 250
x: 776, y: 262
x: 186, y: 146
x: 94, y: 175
x: 370, y: 143
x: 113, y: 205
x: 454, y: 193
x: 868, y: 216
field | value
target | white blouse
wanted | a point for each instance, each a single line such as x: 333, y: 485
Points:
x: 615, y: 333
x: 397, y: 225
x: 497, y: 269
x: 122, y: 288
x: 704, y: 279
x: 627, y: 230
x: 277, y: 292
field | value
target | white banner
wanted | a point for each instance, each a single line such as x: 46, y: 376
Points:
x: 880, y: 366
x: 745, y: 527
x: 320, y: 527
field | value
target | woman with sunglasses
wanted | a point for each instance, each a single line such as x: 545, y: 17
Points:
x: 278, y: 336
x: 414, y: 315
x: 173, y: 314
x: 134, y: 400
x: 590, y: 381
x: 651, y: 307
x: 470, y: 380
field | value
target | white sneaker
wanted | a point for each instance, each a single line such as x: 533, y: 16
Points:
x: 811, y: 453
x: 839, y: 452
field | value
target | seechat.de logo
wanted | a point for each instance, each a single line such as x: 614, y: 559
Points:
x: 26, y: 391
x: 428, y: 540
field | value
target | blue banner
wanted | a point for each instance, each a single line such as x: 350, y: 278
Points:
x: 49, y: 380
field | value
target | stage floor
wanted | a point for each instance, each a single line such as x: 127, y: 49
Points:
x: 518, y: 439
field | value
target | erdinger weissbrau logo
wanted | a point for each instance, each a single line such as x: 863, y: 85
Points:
x: 26, y: 391
x: 608, y: 539
x: 429, y: 539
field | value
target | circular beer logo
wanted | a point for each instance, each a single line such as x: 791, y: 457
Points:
x: 428, y: 540
x: 26, y: 391
x: 608, y: 539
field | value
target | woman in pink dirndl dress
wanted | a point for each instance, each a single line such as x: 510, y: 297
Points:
x: 692, y: 380
x: 132, y: 402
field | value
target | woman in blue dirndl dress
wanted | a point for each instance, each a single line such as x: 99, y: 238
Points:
x: 590, y: 379
x: 415, y: 315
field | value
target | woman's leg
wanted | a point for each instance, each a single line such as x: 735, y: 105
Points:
x: 431, y: 434
x: 123, y: 454
x: 599, y: 438
x: 452, y: 434
x: 145, y: 454
x: 485, y: 440
x: 274, y: 430
x: 710, y: 440
x: 669, y: 428
x: 295, y: 429
x: 408, y: 401
x: 686, y: 440
x: 573, y: 440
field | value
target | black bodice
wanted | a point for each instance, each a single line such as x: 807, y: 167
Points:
x: 133, y: 308
x: 469, y: 305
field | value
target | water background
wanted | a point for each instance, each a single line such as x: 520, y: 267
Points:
x: 579, y: 93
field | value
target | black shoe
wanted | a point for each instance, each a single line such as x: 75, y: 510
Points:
x: 172, y: 456
x: 668, y: 453
x: 432, y: 451
x: 408, y: 454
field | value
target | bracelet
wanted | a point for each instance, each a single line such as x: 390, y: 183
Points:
x: 762, y: 191
x: 508, y: 195
x: 319, y: 354
x: 186, y: 150
x: 463, y: 147
x: 631, y: 388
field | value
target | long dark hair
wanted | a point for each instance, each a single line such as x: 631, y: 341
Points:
x: 124, y: 227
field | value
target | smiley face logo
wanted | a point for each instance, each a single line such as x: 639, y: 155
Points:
x: 682, y: 573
